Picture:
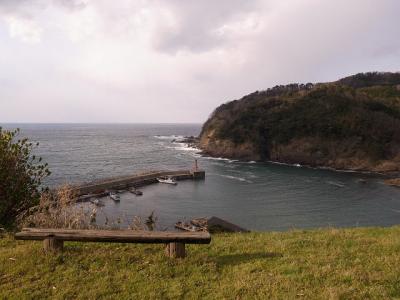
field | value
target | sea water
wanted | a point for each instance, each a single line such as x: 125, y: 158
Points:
x: 258, y: 196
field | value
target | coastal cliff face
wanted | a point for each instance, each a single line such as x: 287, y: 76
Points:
x: 222, y: 147
x: 351, y: 124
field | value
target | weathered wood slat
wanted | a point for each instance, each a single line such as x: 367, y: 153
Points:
x: 175, y: 250
x: 53, y: 245
x: 118, y: 236
x: 123, y: 232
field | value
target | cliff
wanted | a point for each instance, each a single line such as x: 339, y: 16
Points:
x: 353, y: 124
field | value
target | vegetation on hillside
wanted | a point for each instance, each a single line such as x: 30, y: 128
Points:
x: 21, y: 175
x: 357, y: 263
x: 354, y: 121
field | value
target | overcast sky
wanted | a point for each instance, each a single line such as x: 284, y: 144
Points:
x: 176, y: 60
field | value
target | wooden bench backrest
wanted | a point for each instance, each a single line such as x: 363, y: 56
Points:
x: 117, y: 236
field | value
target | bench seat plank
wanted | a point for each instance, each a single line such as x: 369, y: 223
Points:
x: 116, y: 236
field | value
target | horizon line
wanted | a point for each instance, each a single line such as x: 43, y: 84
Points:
x: 103, y: 123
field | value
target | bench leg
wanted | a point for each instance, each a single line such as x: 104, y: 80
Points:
x: 175, y: 250
x: 53, y: 245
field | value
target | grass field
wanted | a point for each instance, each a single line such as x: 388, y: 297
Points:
x: 357, y: 263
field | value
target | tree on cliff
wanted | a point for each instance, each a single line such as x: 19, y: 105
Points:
x: 21, y: 175
x: 352, y: 123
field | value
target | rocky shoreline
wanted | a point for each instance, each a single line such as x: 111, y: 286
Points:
x: 351, y: 124
x: 393, y: 182
x: 194, y: 142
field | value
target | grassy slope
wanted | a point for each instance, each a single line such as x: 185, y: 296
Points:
x: 329, y: 263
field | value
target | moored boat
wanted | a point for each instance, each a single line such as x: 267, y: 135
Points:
x: 96, y: 202
x: 136, y: 192
x: 114, y: 196
x: 199, y: 222
x: 167, y: 180
x: 187, y: 227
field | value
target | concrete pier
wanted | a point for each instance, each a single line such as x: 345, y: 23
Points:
x: 199, y: 174
x: 136, y: 180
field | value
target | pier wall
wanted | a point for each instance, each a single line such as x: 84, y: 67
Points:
x: 136, y: 180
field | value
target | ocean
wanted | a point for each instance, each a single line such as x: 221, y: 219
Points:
x: 257, y: 196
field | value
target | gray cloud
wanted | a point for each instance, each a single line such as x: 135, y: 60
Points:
x: 196, y: 23
x: 28, y: 8
x: 175, y: 61
x: 71, y: 4
x: 23, y: 8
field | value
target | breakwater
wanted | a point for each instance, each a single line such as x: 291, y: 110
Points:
x: 135, y: 180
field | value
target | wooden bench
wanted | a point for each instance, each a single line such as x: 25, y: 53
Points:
x: 53, y: 239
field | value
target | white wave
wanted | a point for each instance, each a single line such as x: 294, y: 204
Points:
x: 325, y: 168
x: 177, y: 143
x: 278, y: 163
x: 284, y: 164
x: 222, y: 159
x: 169, y: 137
x: 251, y: 175
x: 235, y: 178
x: 338, y: 184
x: 217, y: 158
x: 252, y: 162
x: 185, y: 147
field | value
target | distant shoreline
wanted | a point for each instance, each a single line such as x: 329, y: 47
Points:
x: 193, y: 142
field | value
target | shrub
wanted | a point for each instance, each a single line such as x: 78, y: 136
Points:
x: 21, y: 175
x: 58, y: 209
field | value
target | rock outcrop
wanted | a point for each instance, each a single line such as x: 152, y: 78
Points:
x: 351, y: 124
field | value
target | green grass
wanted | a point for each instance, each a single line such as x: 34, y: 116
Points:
x: 358, y: 263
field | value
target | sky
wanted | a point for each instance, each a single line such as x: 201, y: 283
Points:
x: 175, y: 61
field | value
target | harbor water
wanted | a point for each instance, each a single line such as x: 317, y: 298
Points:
x: 258, y: 196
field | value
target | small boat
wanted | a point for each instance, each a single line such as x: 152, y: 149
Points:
x: 199, y: 222
x: 187, y: 227
x: 136, y: 192
x: 114, y: 196
x: 96, y: 202
x: 167, y: 180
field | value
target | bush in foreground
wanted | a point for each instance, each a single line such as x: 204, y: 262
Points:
x: 21, y: 175
x: 59, y: 209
